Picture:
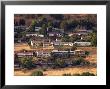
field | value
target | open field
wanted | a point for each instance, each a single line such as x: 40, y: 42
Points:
x: 92, y: 57
x: 21, y: 46
x: 58, y: 72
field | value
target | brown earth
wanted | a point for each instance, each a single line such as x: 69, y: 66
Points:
x: 58, y: 72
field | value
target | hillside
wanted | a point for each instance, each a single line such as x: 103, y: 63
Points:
x: 65, y: 21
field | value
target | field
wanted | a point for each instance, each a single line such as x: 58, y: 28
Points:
x: 58, y: 72
x: 93, y: 53
x: 21, y: 46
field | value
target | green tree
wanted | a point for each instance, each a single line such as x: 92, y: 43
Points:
x: 63, y: 25
x: 43, y: 30
x: 59, y: 62
x: 87, y: 53
x: 33, y: 25
x: 73, y: 48
x: 37, y: 73
x: 78, y: 61
x: 94, y: 39
x: 87, y: 74
x: 49, y: 24
x: 66, y: 38
x: 27, y: 62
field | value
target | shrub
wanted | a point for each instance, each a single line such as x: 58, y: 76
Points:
x: 68, y: 74
x: 87, y: 74
x: 87, y: 53
x: 83, y: 74
x: 27, y: 62
x: 37, y: 73
x: 76, y: 75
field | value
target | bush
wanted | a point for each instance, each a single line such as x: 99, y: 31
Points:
x: 44, y: 69
x: 83, y: 74
x: 68, y: 74
x: 87, y: 74
x: 78, y: 61
x: 87, y: 53
x: 76, y: 75
x: 37, y: 73
x: 27, y: 62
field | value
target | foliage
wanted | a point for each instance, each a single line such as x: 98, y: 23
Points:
x: 83, y: 74
x: 94, y: 39
x: 68, y: 74
x: 87, y: 74
x: 87, y: 53
x: 78, y: 61
x: 27, y: 62
x: 66, y: 38
x: 73, y: 48
x: 43, y: 30
x: 59, y: 62
x: 37, y: 73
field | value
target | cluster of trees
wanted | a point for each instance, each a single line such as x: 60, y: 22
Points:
x: 25, y: 62
x: 29, y: 62
x: 73, y: 38
x: 59, y: 21
x: 21, y: 22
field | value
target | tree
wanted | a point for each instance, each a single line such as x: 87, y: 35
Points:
x: 73, y: 48
x: 66, y: 38
x: 33, y: 25
x: 87, y: 53
x: 87, y: 74
x: 49, y: 24
x: 59, y: 62
x: 27, y: 62
x: 37, y: 73
x: 63, y: 25
x: 94, y: 39
x: 78, y: 61
x: 43, y: 30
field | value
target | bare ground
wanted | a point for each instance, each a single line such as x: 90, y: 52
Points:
x: 58, y: 72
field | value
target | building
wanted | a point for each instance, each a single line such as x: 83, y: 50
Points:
x: 31, y: 34
x: 24, y: 54
x: 19, y: 28
x: 56, y: 53
x: 57, y: 43
x: 42, y: 43
x: 82, y: 43
x: 43, y: 54
x: 37, y: 28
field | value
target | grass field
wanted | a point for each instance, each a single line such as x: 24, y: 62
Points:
x: 58, y: 72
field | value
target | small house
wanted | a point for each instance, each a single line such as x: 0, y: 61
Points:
x: 82, y: 43
x: 24, y: 54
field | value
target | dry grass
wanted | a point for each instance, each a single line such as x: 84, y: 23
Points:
x: 93, y: 53
x: 58, y: 72
x: 21, y: 46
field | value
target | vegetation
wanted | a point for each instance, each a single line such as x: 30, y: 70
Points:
x: 37, y: 73
x: 26, y: 62
x: 83, y: 74
x: 87, y: 53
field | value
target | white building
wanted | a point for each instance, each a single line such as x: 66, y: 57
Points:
x: 82, y: 43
